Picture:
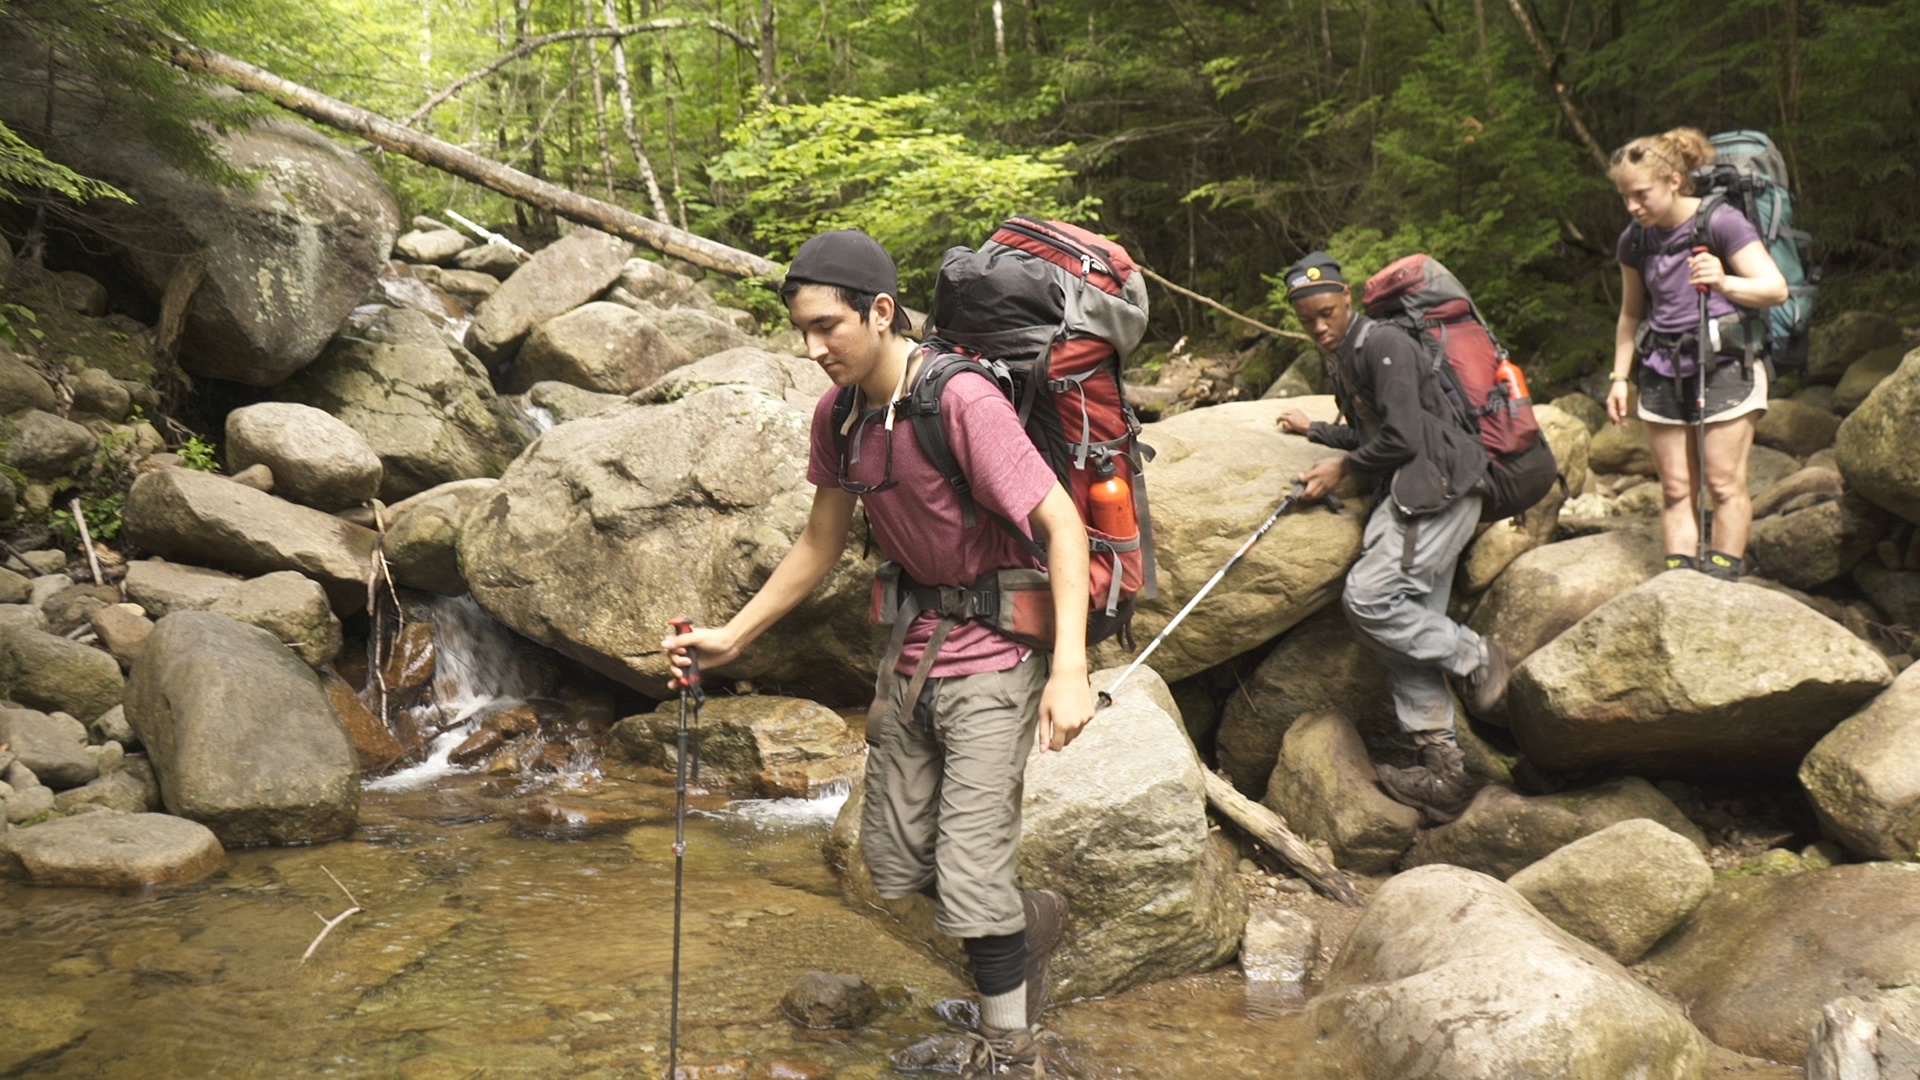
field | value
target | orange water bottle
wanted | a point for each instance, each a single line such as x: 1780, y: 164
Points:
x: 1509, y: 373
x: 1110, y: 502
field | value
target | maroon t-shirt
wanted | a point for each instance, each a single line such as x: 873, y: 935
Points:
x: 918, y: 522
x: 1673, y: 307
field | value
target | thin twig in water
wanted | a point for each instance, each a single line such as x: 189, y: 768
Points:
x: 333, y: 922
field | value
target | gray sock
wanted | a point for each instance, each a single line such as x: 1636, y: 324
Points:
x: 1007, y: 1011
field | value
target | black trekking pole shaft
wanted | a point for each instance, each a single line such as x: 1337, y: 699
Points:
x: 1701, y: 353
x: 1293, y: 497
x: 688, y: 683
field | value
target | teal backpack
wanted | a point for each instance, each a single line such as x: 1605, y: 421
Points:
x: 1749, y: 174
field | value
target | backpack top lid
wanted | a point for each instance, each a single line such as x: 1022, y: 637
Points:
x: 1036, y: 282
x: 1751, y: 154
x: 1419, y: 287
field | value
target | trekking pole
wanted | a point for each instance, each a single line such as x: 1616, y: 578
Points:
x: 1701, y: 349
x: 688, y: 683
x: 1333, y: 503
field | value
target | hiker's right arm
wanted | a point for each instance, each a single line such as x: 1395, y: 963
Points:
x: 1633, y: 311
x: 800, y: 572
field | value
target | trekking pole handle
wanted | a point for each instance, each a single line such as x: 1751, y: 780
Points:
x: 1700, y: 250
x: 690, y: 678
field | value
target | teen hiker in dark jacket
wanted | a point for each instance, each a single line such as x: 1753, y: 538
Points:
x: 1658, y: 287
x: 1401, y: 435
x: 945, y: 772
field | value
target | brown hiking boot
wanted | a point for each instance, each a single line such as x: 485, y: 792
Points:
x: 1488, y: 682
x: 1046, y: 913
x: 1438, y: 787
x: 988, y: 1052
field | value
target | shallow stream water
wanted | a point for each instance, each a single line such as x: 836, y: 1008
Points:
x: 501, y: 937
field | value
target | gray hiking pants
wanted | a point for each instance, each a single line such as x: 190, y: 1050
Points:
x: 1396, y: 599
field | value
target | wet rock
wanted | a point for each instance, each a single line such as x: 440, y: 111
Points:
x: 1818, y: 544
x: 1549, y: 589
x: 39, y: 1027
x: 1808, y: 486
x: 123, y: 630
x: 1502, y: 832
x: 1218, y: 474
x: 597, y: 346
x: 373, y: 744
x: 74, y: 606
x: 1756, y: 962
x: 1620, y: 889
x: 317, y: 460
x: 1451, y: 974
x: 46, y: 671
x: 1796, y: 427
x: 211, y: 691
x: 1847, y: 338
x: 561, y: 816
x: 589, y: 548
x: 54, y: 747
x: 1864, y: 776
x: 163, y: 587
x: 428, y: 410
x: 1870, y: 1037
x: 1686, y: 675
x: 430, y: 245
x: 1874, y: 444
x: 1280, y: 945
x: 110, y: 850
x: 561, y: 276
x: 476, y: 746
x: 97, y: 392
x: 793, y: 379
x: 1118, y: 824
x: 23, y: 387
x: 290, y: 606
x: 821, y: 999
x: 410, y: 657
x: 769, y: 747
x: 181, y: 513
x: 423, y: 534
x: 1324, y: 787
x: 45, y: 446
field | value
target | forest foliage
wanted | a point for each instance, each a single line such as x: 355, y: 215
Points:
x: 1218, y: 139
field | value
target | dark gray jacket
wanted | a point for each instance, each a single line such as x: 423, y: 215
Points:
x: 1402, y: 432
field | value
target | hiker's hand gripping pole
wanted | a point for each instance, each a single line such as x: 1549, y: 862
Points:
x: 687, y: 681
x: 1105, y: 697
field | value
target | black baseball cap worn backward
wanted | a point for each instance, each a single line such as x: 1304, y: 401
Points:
x: 1314, y: 274
x: 848, y: 258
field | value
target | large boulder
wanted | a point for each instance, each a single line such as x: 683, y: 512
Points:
x: 1688, y: 675
x: 426, y: 408
x: 612, y: 524
x: 1324, y: 787
x: 54, y: 747
x: 700, y: 333
x: 1451, y: 975
x: 1807, y: 487
x: 1864, y: 777
x: 1864, y: 374
x: 110, y: 850
x: 1796, y: 427
x: 423, y: 534
x: 1219, y: 472
x: 22, y: 386
x: 597, y: 346
x: 1895, y: 592
x: 1755, y: 962
x: 163, y: 587
x: 1502, y: 832
x: 1495, y: 548
x: 46, y: 671
x: 1117, y: 822
x: 1876, y: 442
x: 44, y: 446
x: 290, y: 606
x: 561, y: 276
x: 1318, y: 667
x: 1620, y: 889
x: 1550, y: 588
x: 183, y: 514
x: 795, y: 380
x: 285, y: 256
x: 210, y: 695
x: 751, y: 746
x: 316, y: 459
x: 1845, y: 339
x: 1621, y: 448
x: 1818, y: 544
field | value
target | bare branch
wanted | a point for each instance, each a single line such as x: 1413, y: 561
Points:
x: 333, y: 922
x: 1561, y: 90
x: 1222, y: 308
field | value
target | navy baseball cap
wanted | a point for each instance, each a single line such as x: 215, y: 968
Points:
x: 849, y: 258
x: 1314, y: 274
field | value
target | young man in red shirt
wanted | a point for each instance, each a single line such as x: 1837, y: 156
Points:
x: 945, y: 772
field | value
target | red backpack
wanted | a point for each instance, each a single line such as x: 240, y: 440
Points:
x: 1422, y: 297
x: 1047, y: 310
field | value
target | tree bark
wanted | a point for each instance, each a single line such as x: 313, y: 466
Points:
x: 1266, y: 826
x: 1560, y: 89
x: 624, y: 88
x: 600, y: 108
x: 769, y: 46
x: 466, y: 164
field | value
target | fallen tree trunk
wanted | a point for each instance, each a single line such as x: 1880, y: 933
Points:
x: 1265, y: 826
x: 385, y: 133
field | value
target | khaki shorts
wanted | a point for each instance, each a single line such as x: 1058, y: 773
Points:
x: 943, y: 796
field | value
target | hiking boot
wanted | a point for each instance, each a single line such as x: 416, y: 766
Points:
x: 975, y: 1054
x: 1680, y: 562
x: 1438, y: 787
x: 1046, y: 913
x: 1721, y: 565
x: 1488, y: 682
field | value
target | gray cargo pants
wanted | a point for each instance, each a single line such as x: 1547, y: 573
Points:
x: 1396, y: 598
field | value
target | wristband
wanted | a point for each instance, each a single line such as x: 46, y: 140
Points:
x: 1622, y: 378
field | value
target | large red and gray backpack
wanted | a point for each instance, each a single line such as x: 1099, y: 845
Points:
x: 1048, y: 311
x: 1489, y: 395
x: 1749, y: 174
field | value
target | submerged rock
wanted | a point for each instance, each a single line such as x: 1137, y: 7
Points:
x: 112, y: 850
x: 821, y: 999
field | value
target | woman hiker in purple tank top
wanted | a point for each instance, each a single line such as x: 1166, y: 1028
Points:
x: 1659, y: 282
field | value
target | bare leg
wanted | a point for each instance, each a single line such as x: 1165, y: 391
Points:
x: 1729, y: 444
x: 1672, y: 446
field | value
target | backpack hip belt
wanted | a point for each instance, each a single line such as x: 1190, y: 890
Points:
x: 1737, y: 335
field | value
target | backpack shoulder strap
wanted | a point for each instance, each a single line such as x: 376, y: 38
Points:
x: 923, y: 409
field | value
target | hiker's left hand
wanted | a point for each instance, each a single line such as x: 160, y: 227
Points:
x: 1066, y: 705
x: 1706, y: 269
x: 1321, y: 477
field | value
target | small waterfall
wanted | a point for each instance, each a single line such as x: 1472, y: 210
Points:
x: 533, y: 418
